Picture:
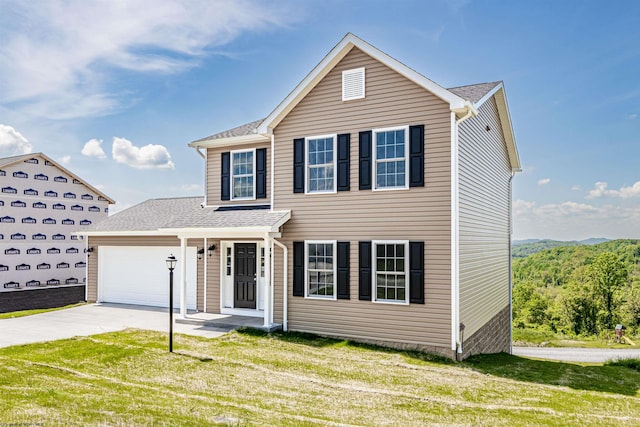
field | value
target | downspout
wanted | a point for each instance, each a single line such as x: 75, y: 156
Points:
x: 456, y: 326
x: 510, y: 266
x: 205, y: 173
x: 273, y: 162
x: 285, y: 281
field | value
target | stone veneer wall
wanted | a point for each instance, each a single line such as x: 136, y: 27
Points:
x: 30, y: 299
x: 493, y: 337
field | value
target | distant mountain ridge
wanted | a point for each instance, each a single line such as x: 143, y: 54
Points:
x: 524, y: 248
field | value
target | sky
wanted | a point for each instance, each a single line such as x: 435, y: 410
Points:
x: 115, y: 90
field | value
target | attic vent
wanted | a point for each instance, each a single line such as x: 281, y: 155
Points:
x: 353, y: 84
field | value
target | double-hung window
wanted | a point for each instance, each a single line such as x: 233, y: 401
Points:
x: 321, y: 164
x: 390, y: 150
x: 243, y: 166
x: 320, y: 259
x: 391, y: 271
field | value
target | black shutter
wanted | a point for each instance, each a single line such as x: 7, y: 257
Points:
x: 364, y: 269
x: 416, y: 272
x: 298, y: 269
x: 365, y: 160
x: 416, y: 156
x: 298, y: 165
x: 225, y: 176
x: 343, y: 270
x: 344, y: 142
x: 261, y: 173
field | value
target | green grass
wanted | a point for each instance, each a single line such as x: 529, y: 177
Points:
x: 629, y: 363
x: 545, y: 338
x: 23, y: 313
x: 250, y: 378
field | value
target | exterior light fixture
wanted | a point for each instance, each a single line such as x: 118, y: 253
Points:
x: 171, y: 265
x: 210, y: 250
x: 200, y: 253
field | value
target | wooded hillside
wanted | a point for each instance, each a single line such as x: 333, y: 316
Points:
x: 579, y: 290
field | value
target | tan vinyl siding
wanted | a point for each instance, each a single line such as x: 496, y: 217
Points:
x: 214, y: 167
x: 414, y: 214
x: 484, y: 173
x: 213, y: 278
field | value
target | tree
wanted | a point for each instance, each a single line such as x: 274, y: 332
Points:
x: 607, y: 275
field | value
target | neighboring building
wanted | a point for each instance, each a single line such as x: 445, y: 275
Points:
x: 371, y: 204
x: 43, y: 264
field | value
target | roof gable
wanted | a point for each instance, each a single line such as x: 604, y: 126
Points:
x: 336, y: 54
x: 8, y: 161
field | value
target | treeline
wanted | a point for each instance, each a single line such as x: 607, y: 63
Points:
x: 579, y: 290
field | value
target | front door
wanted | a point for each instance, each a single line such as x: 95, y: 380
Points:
x: 244, y: 283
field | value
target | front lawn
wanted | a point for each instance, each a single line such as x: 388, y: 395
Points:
x: 248, y: 378
x: 22, y: 313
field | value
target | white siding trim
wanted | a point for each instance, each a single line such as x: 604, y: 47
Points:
x: 455, y: 258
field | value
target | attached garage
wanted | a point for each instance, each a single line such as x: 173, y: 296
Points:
x: 139, y: 275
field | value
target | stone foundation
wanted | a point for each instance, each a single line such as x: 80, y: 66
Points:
x: 493, y: 337
x: 31, y: 299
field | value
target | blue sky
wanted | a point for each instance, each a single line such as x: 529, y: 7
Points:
x: 116, y: 90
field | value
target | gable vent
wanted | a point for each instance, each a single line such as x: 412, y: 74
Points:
x: 353, y: 84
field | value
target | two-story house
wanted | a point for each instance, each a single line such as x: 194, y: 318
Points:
x: 371, y: 204
x: 42, y: 262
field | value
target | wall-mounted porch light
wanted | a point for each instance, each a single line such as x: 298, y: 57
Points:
x: 200, y: 253
x: 210, y: 250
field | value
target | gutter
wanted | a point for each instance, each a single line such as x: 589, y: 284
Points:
x: 468, y: 111
x: 510, y: 266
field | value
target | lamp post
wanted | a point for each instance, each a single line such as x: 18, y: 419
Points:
x: 171, y: 264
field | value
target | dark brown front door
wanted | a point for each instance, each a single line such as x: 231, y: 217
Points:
x: 244, y: 287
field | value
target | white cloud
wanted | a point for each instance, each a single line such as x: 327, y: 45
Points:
x: 148, y: 157
x: 57, y: 56
x: 65, y: 160
x: 544, y: 181
x: 632, y: 116
x: 12, y: 142
x: 92, y: 148
x: 574, y: 221
x: 601, y: 190
x: 576, y: 188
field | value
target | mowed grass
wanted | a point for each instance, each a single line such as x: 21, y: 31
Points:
x: 23, y: 313
x: 249, y: 378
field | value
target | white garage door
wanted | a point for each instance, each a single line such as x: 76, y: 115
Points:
x: 139, y: 275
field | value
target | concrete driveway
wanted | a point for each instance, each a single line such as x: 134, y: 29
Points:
x: 590, y: 355
x: 93, y: 319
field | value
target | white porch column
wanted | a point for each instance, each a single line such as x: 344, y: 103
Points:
x: 268, y: 309
x: 183, y: 277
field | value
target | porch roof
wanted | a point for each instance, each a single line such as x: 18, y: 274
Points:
x: 185, y: 216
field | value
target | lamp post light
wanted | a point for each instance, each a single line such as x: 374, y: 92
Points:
x: 171, y: 265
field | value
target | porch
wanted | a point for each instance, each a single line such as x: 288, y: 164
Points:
x: 226, y: 321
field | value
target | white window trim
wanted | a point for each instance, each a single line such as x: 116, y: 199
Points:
x: 374, y: 270
x: 354, y: 71
x: 307, y: 175
x: 335, y: 269
x: 252, y: 150
x: 374, y: 148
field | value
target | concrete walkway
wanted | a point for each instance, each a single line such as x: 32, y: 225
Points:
x: 588, y: 355
x: 93, y: 319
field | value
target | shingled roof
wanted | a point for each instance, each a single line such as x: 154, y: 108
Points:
x: 183, y: 212
x: 474, y: 93
x: 242, y: 130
